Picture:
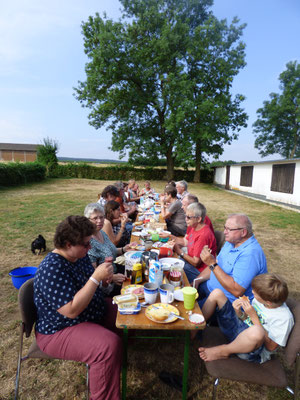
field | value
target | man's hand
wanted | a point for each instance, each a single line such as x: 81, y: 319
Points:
x: 206, y: 256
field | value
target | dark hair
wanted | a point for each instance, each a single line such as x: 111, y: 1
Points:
x: 171, y: 190
x: 171, y: 183
x: 73, y: 230
x: 110, y: 189
x: 270, y: 287
x: 109, y: 207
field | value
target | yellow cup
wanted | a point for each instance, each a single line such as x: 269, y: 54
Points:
x: 189, y: 296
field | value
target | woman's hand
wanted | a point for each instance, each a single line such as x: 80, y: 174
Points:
x: 124, y: 219
x: 118, y: 279
x: 177, y: 248
x: 130, y: 246
x: 104, y: 272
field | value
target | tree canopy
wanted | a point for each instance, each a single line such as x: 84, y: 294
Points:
x: 160, y: 79
x: 46, y: 152
x: 278, y: 125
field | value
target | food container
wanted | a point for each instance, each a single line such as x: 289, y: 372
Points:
x: 131, y: 258
x: 130, y: 298
x: 124, y: 310
x: 175, y: 277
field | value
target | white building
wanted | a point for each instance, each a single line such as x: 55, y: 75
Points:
x: 273, y: 180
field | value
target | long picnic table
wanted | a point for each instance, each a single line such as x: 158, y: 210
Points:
x: 141, y: 322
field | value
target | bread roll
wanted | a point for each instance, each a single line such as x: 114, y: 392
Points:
x: 159, y: 314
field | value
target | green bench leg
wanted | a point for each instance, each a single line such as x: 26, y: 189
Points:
x: 186, y: 363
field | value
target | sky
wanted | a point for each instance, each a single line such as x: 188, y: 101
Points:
x: 42, y: 60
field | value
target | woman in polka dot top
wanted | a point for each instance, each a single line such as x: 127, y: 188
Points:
x: 74, y: 320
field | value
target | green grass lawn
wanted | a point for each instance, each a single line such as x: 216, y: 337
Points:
x: 36, y: 209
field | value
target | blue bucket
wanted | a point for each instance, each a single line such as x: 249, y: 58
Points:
x: 21, y: 274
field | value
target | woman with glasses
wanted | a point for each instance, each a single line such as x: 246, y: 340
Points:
x: 74, y: 320
x: 102, y: 247
x: 198, y: 236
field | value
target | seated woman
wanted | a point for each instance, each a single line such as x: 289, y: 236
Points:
x: 172, y: 212
x: 147, y: 190
x: 198, y: 236
x: 74, y: 320
x: 102, y: 247
x: 116, y: 231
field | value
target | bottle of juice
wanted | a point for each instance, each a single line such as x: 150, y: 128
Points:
x: 137, y: 272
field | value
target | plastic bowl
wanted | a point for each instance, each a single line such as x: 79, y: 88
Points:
x: 21, y: 274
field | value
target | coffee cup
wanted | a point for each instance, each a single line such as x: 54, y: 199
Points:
x: 166, y: 292
x: 165, y: 252
x: 148, y: 244
x: 190, y: 294
x: 150, y: 292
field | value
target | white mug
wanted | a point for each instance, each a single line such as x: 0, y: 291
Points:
x: 166, y: 292
x: 150, y: 292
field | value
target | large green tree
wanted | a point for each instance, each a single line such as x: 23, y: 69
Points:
x: 278, y: 125
x: 160, y: 79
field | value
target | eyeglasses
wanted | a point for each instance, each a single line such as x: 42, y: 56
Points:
x: 188, y: 217
x: 232, y: 229
x: 86, y: 245
x: 100, y: 218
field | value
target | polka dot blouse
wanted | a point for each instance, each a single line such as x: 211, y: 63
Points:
x: 56, y: 283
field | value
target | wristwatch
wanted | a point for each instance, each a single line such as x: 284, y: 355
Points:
x: 181, y: 254
x: 213, y: 266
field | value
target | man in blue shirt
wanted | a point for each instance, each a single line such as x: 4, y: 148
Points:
x: 239, y: 261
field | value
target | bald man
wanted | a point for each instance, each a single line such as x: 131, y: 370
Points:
x: 239, y: 261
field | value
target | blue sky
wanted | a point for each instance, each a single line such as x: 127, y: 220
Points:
x: 42, y: 59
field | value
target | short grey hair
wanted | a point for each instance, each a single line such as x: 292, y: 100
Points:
x: 119, y: 185
x: 182, y: 184
x: 243, y: 221
x: 192, y: 198
x: 198, y: 209
x: 91, y: 208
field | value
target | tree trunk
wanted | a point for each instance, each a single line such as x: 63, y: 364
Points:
x: 170, y: 164
x: 292, y: 153
x: 197, y: 174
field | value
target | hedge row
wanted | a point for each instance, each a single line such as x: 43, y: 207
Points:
x: 124, y: 173
x: 15, y: 173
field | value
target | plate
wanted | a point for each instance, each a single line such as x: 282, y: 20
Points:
x: 178, y: 295
x: 168, y: 307
x: 130, y: 288
x: 137, y: 234
x: 173, y: 262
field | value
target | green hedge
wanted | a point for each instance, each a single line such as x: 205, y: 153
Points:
x: 124, y: 173
x: 15, y: 173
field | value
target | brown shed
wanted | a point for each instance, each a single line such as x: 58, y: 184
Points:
x: 18, y: 152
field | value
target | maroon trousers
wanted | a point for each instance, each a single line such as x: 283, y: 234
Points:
x: 96, y: 345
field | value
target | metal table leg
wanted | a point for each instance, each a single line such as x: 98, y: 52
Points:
x: 124, y: 366
x: 186, y: 363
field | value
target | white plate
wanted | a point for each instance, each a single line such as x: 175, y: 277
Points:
x: 178, y: 295
x: 172, y: 261
x: 137, y: 234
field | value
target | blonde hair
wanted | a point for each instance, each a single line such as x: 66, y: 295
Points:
x: 271, y: 287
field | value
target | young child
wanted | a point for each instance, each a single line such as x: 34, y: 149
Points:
x: 257, y: 331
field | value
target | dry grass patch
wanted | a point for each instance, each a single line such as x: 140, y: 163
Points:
x: 30, y: 210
